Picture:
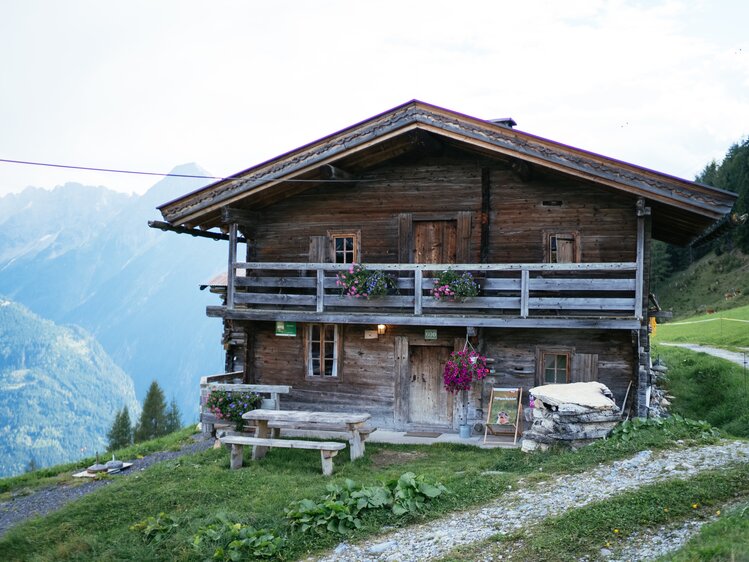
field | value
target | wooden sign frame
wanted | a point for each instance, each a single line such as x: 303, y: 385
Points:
x: 503, y: 403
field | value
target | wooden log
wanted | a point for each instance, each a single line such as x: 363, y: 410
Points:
x: 330, y: 172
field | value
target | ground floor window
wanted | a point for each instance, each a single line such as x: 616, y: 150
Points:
x: 553, y: 366
x: 323, y: 351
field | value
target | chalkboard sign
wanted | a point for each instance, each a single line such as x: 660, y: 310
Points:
x: 505, y: 412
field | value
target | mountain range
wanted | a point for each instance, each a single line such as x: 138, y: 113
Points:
x: 84, y: 255
x: 59, y: 391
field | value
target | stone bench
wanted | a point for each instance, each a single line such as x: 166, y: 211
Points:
x: 328, y: 449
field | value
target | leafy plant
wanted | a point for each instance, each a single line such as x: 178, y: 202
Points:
x: 156, y: 529
x: 337, y: 516
x: 411, y: 493
x: 359, y: 281
x: 235, y: 541
x: 450, y: 285
x: 231, y: 405
x: 462, y: 369
x: 340, y: 510
x: 675, y: 426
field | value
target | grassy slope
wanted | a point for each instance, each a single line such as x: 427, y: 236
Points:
x: 194, y: 488
x: 720, y: 329
x: 704, y: 284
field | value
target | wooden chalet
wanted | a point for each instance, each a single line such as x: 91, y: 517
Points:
x: 558, y: 237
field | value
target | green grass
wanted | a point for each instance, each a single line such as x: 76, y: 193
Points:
x: 725, y: 539
x: 720, y: 329
x: 704, y: 284
x: 195, y: 488
x: 62, y: 474
x: 708, y: 388
x: 606, y: 524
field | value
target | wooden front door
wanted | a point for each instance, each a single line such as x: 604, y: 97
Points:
x: 429, y: 404
x: 435, y: 241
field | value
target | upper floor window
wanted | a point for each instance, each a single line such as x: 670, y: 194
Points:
x: 323, y: 350
x: 345, y: 247
x: 561, y: 247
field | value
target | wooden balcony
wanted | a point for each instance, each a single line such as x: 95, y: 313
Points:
x: 540, y: 295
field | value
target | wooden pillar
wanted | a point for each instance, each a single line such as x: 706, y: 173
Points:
x: 486, y: 207
x: 231, y: 271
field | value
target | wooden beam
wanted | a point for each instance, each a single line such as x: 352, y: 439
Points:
x: 231, y: 271
x: 165, y: 226
x: 640, y: 261
x: 557, y: 267
x: 554, y: 322
x: 242, y: 216
x: 486, y: 207
x: 330, y: 172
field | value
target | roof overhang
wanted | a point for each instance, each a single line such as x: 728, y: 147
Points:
x: 682, y: 209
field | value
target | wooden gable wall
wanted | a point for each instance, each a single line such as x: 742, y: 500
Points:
x: 442, y: 188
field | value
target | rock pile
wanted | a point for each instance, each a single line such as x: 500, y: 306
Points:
x: 573, y: 414
x: 660, y: 400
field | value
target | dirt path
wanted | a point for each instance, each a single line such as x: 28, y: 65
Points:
x: 733, y: 356
x: 46, y: 500
x: 521, y: 508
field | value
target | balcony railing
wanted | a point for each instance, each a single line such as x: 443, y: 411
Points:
x: 298, y: 291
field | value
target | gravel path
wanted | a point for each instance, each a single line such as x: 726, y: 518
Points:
x: 51, y: 499
x: 521, y: 508
x: 733, y: 356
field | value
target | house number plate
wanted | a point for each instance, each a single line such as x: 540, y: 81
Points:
x: 430, y: 334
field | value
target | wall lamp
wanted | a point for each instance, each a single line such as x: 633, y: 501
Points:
x: 381, y: 329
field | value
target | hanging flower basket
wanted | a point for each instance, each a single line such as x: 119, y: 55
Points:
x: 451, y: 285
x: 361, y: 282
x: 462, y: 369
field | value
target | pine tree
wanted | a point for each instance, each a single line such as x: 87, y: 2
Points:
x: 173, y: 417
x: 121, y: 433
x: 152, y: 421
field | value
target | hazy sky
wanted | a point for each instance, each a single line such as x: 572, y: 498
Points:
x: 148, y: 85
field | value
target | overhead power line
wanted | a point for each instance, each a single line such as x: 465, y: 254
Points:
x: 140, y: 173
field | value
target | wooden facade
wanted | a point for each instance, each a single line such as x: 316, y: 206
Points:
x: 558, y: 238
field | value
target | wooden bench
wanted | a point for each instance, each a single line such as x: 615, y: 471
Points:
x: 328, y: 430
x: 328, y: 449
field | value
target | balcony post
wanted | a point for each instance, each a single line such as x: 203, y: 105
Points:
x: 642, y: 212
x: 524, y: 285
x: 418, y: 275
x: 231, y: 271
x: 320, y: 286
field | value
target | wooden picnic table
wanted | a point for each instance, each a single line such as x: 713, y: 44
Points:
x: 349, y: 422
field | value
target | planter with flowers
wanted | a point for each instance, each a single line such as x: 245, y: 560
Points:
x: 450, y: 285
x: 461, y: 371
x: 361, y: 282
x: 229, y: 406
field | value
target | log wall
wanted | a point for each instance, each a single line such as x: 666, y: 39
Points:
x: 520, y: 212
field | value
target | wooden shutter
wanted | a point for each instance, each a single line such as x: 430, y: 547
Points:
x: 463, y: 246
x: 405, y: 237
x: 319, y: 249
x: 585, y: 367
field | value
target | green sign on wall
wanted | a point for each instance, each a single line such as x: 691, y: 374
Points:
x: 287, y: 329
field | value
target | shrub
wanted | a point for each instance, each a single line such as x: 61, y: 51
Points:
x: 236, y: 541
x: 231, y: 405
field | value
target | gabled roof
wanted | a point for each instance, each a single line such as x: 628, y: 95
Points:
x: 681, y: 209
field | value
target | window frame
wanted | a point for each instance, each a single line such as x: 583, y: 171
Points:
x: 337, y: 352
x: 549, y: 234
x: 355, y: 234
x: 542, y: 352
